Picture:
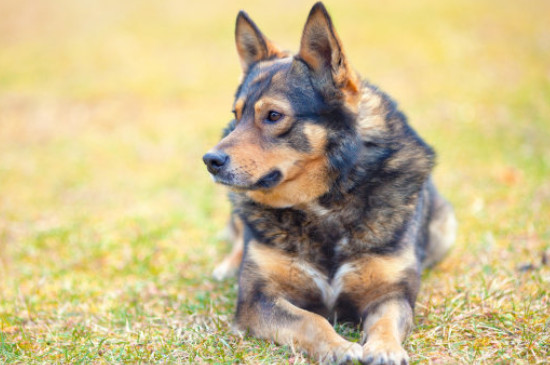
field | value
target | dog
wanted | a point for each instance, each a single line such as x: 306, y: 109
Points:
x: 335, y: 213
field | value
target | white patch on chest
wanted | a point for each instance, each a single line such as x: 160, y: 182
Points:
x: 330, y: 289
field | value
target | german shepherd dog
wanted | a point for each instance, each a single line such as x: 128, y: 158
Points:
x: 334, y: 210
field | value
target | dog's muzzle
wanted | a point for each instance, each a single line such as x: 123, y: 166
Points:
x: 215, y: 161
x: 218, y: 162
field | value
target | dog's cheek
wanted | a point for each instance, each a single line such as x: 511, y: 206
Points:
x: 317, y: 138
x: 293, y: 162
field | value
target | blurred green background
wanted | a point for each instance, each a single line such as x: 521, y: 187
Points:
x: 109, y: 222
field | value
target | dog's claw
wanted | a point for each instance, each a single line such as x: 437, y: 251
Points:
x: 377, y: 353
x: 344, y: 353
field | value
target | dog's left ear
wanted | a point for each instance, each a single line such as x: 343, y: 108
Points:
x: 322, y: 51
x: 252, y: 45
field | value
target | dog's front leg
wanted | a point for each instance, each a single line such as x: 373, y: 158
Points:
x: 278, y: 320
x: 386, y: 325
x: 230, y: 264
x: 274, y: 288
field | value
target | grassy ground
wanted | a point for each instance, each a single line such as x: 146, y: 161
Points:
x: 109, y: 222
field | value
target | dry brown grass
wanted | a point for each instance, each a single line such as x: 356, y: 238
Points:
x: 109, y: 222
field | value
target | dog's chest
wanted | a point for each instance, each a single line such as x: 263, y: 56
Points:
x: 324, y: 242
x: 323, y: 238
x: 317, y: 250
x: 330, y: 288
x: 338, y: 235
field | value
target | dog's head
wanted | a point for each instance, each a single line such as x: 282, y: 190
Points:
x: 291, y: 114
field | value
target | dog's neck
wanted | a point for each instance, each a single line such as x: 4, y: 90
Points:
x: 375, y: 193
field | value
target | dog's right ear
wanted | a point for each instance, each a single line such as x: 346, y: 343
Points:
x: 252, y: 45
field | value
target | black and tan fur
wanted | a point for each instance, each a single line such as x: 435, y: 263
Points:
x: 335, y: 213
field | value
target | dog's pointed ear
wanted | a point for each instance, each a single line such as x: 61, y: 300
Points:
x: 252, y: 45
x: 321, y: 50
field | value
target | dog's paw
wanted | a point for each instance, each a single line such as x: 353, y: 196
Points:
x: 343, y: 352
x: 384, y: 353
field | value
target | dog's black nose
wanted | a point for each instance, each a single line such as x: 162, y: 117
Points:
x: 215, y: 161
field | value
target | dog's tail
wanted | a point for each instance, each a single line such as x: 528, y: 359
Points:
x: 442, y: 229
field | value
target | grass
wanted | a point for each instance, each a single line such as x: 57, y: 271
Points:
x: 109, y: 222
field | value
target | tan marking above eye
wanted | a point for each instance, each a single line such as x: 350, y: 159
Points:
x: 239, y: 105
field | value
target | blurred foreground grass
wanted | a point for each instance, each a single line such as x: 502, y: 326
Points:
x: 109, y: 222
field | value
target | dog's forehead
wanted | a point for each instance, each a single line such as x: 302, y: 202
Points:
x: 282, y: 77
x: 263, y: 75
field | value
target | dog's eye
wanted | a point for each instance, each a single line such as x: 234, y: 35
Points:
x: 273, y: 116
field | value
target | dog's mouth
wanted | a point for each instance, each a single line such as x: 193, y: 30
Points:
x: 267, y: 181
